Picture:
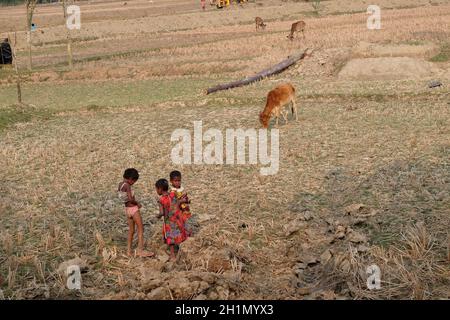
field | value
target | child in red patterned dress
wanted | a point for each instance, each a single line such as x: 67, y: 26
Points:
x: 174, y: 231
x: 182, y: 197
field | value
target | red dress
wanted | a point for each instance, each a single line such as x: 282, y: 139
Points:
x: 174, y: 231
x: 185, y: 211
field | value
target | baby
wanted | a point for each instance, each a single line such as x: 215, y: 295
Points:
x: 181, y: 195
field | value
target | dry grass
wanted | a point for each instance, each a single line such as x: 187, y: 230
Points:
x: 380, y: 143
x: 85, y: 192
x: 411, y: 269
x: 138, y: 41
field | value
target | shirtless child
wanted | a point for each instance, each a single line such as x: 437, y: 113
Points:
x: 126, y: 195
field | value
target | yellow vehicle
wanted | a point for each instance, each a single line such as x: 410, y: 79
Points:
x: 226, y: 3
x: 222, y: 3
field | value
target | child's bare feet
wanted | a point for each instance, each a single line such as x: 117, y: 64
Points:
x: 173, y: 257
x: 144, y: 254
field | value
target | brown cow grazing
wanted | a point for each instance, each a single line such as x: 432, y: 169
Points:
x: 276, y: 100
x: 259, y: 23
x: 298, y: 26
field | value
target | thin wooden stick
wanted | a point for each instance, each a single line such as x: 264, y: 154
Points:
x: 13, y: 54
x: 68, y: 37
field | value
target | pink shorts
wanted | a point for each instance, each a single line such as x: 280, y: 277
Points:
x: 130, y: 211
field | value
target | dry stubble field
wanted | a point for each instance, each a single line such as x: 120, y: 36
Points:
x: 364, y: 174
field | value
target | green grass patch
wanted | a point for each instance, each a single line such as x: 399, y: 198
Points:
x: 64, y: 41
x: 309, y: 14
x: 95, y: 108
x: 413, y: 42
x: 6, y: 72
x: 73, y: 96
x: 50, y: 99
x: 340, y: 13
x: 14, y: 114
x: 442, y: 56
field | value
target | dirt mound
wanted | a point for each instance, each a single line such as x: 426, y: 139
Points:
x: 44, y: 76
x: 189, y: 285
x: 387, y: 69
x: 372, y: 50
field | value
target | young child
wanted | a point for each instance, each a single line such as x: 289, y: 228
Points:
x: 180, y: 193
x: 173, y: 225
x: 126, y: 196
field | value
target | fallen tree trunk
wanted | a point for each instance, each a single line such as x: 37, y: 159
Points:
x: 261, y: 75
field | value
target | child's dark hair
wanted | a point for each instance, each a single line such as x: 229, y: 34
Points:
x: 162, y: 184
x: 175, y: 174
x: 131, y: 173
